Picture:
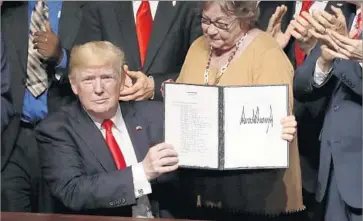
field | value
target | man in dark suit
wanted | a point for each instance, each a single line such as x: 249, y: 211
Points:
x: 310, y: 125
x: 37, y: 35
x: 336, y: 87
x: 95, y: 152
x: 7, y: 110
x: 155, y: 36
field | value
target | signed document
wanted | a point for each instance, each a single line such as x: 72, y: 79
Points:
x: 227, y: 128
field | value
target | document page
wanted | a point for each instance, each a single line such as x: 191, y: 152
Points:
x: 191, y: 124
x: 252, y: 127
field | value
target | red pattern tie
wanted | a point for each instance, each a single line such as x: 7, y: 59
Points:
x: 113, y: 146
x: 358, y: 25
x: 144, y: 23
x: 299, y: 53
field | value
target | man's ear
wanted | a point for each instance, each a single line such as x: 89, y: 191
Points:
x: 72, y: 81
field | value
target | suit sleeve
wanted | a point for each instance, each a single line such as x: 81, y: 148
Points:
x: 6, y: 98
x: 350, y: 74
x: 63, y: 169
x: 192, y: 31
x: 305, y: 88
x: 16, y: 183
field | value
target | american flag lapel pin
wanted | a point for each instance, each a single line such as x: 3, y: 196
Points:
x: 138, y: 128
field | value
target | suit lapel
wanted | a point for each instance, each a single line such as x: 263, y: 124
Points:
x: 137, y: 130
x: 69, y: 22
x: 164, y: 18
x: 92, y: 137
x: 126, y: 21
x: 21, y: 37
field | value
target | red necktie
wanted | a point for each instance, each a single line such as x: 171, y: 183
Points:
x: 144, y: 23
x: 358, y: 25
x: 299, y: 54
x: 113, y: 146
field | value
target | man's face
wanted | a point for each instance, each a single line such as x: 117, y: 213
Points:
x: 98, y: 90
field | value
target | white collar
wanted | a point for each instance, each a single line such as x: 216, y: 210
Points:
x: 117, y: 120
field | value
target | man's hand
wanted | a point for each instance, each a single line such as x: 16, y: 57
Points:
x: 322, y: 22
x: 48, y: 44
x: 346, y: 47
x: 161, y: 158
x: 301, y: 33
x: 142, y: 89
x: 274, y: 27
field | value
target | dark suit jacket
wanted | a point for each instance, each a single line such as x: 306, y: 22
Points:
x: 340, y: 99
x: 174, y: 30
x: 7, y: 110
x: 310, y: 124
x: 14, y: 24
x: 78, y: 166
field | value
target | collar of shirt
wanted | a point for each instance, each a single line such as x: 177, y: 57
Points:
x: 153, y: 7
x: 117, y: 120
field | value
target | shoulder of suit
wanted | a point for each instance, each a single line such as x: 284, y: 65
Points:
x: 60, y: 117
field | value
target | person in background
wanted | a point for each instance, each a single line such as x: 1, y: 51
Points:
x: 7, y: 110
x: 297, y: 47
x: 336, y: 87
x: 155, y: 36
x: 233, y: 52
x: 38, y: 35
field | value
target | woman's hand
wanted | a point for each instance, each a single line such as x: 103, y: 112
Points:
x: 288, y: 128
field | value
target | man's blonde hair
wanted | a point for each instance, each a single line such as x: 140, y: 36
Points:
x: 96, y: 54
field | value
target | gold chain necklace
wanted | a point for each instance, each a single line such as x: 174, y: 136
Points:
x: 224, y: 68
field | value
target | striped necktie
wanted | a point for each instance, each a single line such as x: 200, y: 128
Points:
x: 37, y: 80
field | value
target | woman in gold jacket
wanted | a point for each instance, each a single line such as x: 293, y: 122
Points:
x: 233, y: 51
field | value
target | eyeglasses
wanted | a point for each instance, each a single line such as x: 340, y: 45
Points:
x: 217, y: 24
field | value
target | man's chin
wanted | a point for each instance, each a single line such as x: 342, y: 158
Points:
x: 102, y: 101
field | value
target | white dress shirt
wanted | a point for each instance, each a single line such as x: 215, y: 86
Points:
x: 153, y: 7
x: 119, y: 130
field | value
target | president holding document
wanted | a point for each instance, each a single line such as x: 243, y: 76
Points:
x: 234, y: 52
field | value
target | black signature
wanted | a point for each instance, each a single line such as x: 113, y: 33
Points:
x: 256, y: 119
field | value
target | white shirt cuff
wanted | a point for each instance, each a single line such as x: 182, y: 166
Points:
x: 152, y: 78
x: 319, y: 75
x: 141, y: 185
